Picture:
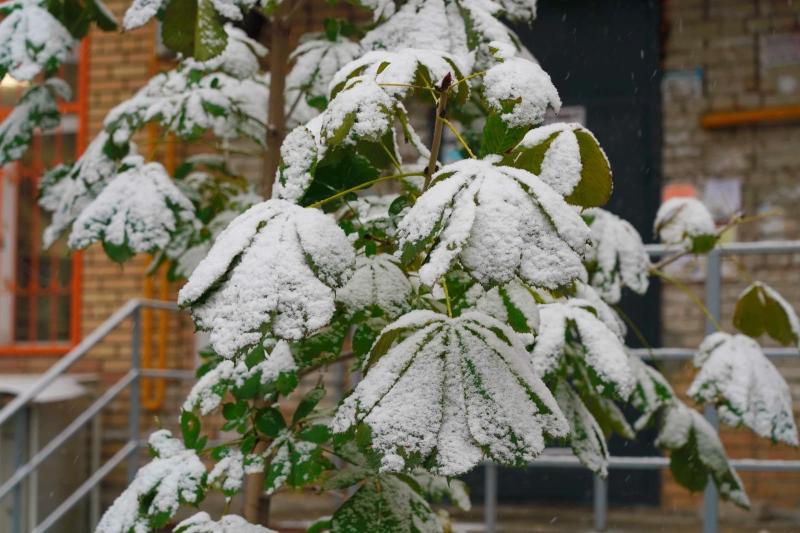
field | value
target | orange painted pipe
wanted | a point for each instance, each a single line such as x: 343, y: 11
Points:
x: 753, y: 116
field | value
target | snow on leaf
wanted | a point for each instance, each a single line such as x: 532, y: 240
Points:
x: 569, y: 159
x: 188, y: 102
x: 295, y: 461
x: 697, y: 452
x: 174, y: 476
x: 521, y: 92
x: 518, y: 10
x: 604, y: 312
x: 228, y: 474
x: 206, y: 394
x: 316, y: 61
x: 240, y: 58
x: 270, y: 272
x: 439, y: 488
x: 394, y: 71
x: 498, y: 222
x: 32, y: 40
x: 585, y: 434
x: 514, y: 304
x: 761, y: 309
x: 137, y: 212
x: 361, y: 110
x: 65, y: 191
x: 299, y: 155
x: 687, y: 222
x: 381, y: 9
x: 140, y: 12
x: 202, y: 523
x: 387, y: 504
x: 736, y: 376
x: 378, y: 282
x: 36, y: 109
x: 617, y: 257
x: 449, y: 393
x: 650, y: 393
x: 570, y: 334
x: 233, y: 9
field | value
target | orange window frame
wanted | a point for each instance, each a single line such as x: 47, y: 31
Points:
x: 79, y: 107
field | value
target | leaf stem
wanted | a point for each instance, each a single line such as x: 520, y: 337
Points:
x: 459, y: 137
x: 441, y: 110
x: 443, y: 281
x: 364, y: 185
x: 467, y: 78
x: 690, y: 293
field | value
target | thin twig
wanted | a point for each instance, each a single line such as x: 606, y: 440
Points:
x: 690, y: 293
x: 459, y: 137
x: 363, y: 186
x: 447, y: 297
x: 441, y: 110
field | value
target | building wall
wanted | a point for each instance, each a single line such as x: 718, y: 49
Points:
x: 718, y: 58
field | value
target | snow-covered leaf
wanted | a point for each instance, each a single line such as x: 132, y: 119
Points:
x: 65, y: 191
x: 570, y: 335
x: 387, y: 504
x: 686, y: 221
x: 229, y: 471
x: 396, y: 71
x: 697, y: 453
x: 650, y: 393
x: 604, y: 312
x: 378, y: 283
x: 617, y: 257
x: 175, y: 476
x: 518, y: 10
x: 240, y: 58
x: 299, y: 154
x: 32, y: 40
x: 449, y: 392
x: 295, y: 461
x: 737, y: 377
x: 521, y: 92
x: 498, y: 222
x: 761, y: 309
x: 270, y: 272
x: 202, y: 523
x: 193, y: 28
x: 439, y: 488
x: 514, y: 304
x: 381, y: 9
x: 141, y: 11
x: 316, y: 61
x: 189, y: 102
x: 137, y: 212
x: 36, y: 109
x: 585, y: 435
x: 569, y: 159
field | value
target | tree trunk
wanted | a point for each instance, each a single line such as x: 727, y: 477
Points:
x: 276, y: 119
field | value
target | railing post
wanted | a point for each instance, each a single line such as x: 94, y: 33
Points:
x: 600, y: 490
x: 20, y: 447
x: 490, y: 497
x: 135, y: 403
x: 713, y: 303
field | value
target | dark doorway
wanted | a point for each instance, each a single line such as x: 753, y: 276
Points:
x: 604, y: 56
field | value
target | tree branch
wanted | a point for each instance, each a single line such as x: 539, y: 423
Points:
x: 441, y: 111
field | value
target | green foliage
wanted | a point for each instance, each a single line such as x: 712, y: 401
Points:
x: 760, y: 309
x: 193, y: 28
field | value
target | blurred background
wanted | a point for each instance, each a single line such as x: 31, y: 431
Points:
x: 688, y: 98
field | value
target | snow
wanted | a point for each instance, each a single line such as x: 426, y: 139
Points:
x: 586, y: 437
x: 202, y: 523
x: 600, y: 349
x: 679, y: 220
x: 379, y: 282
x: 604, y: 312
x: 31, y: 40
x: 279, y: 361
x: 518, y: 10
x: 140, y: 12
x: 651, y: 392
x: 36, y: 109
x: 747, y: 388
x: 141, y: 208
x: 234, y: 9
x: 439, y: 488
x: 66, y: 191
x: 452, y: 392
x: 381, y: 9
x: 617, y: 256
x: 679, y: 425
x: 228, y: 474
x: 316, y: 61
x: 526, y: 88
x: 187, y: 106
x: 362, y: 110
x: 206, y: 394
x: 498, y: 222
x: 501, y: 303
x: 299, y: 155
x: 175, y: 475
x: 394, y: 69
x: 271, y: 271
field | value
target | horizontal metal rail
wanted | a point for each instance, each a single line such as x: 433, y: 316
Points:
x: 79, y: 351
x: 680, y: 354
x: 123, y: 453
x: 550, y: 460
x: 733, y: 248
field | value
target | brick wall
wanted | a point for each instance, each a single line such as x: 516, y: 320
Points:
x: 715, y: 61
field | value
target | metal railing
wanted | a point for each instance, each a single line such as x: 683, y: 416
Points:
x: 18, y: 408
x: 713, y: 289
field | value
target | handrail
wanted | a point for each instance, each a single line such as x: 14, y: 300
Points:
x: 733, y: 248
x: 89, y: 342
